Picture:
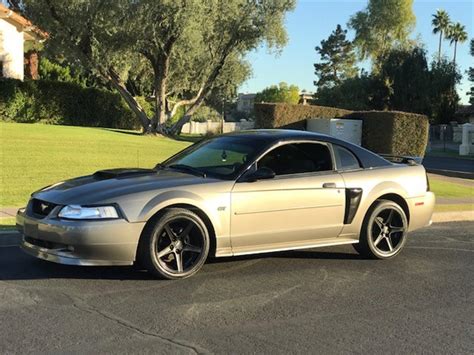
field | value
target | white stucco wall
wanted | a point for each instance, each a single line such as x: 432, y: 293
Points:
x: 11, y: 50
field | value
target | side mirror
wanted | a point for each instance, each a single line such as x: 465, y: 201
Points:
x: 262, y: 173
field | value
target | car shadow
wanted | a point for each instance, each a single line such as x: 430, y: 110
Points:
x: 15, y: 265
x: 292, y: 254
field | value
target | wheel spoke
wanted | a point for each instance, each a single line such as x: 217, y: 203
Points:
x: 169, y: 232
x: 186, y: 230
x: 396, y: 230
x: 389, y: 243
x: 390, y: 217
x: 164, y: 252
x: 192, y: 248
x: 379, y: 238
x: 379, y: 222
x: 179, y: 261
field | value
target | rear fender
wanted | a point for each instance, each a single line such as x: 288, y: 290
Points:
x: 368, y: 198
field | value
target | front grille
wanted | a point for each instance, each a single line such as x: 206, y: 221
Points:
x: 41, y: 208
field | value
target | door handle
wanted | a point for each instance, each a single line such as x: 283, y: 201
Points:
x: 329, y: 185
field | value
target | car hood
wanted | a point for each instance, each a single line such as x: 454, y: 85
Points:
x: 108, y: 185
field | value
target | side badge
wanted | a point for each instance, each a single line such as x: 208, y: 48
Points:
x: 221, y: 208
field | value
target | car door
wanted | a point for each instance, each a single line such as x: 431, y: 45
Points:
x: 301, y: 205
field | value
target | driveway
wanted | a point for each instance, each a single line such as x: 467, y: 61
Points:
x: 320, y: 301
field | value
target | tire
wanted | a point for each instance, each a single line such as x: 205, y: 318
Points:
x: 174, y: 245
x: 384, y: 231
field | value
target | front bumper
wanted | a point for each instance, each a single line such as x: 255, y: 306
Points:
x: 88, y: 243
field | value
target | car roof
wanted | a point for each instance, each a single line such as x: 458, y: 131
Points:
x: 277, y: 134
x: 367, y: 158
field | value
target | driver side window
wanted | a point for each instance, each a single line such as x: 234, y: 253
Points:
x: 297, y: 158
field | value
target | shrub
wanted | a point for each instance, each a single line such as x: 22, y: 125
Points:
x: 385, y: 132
x: 206, y: 113
x: 63, y: 103
x: 292, y: 116
x: 393, y: 132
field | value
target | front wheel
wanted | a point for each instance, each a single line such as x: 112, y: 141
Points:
x: 176, y: 245
x: 384, y: 231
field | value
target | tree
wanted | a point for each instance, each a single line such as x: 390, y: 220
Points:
x: 190, y: 47
x: 383, y: 25
x: 50, y: 70
x: 355, y: 93
x: 338, y: 59
x: 281, y: 93
x: 441, y: 23
x: 406, y: 75
x: 15, y: 5
x: 470, y: 73
x: 456, y: 33
x: 443, y: 96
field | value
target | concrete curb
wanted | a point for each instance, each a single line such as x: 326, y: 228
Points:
x: 452, y: 173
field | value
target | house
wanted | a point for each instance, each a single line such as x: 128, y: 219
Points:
x: 15, y: 30
x: 465, y: 114
x: 306, y: 98
x: 245, y: 102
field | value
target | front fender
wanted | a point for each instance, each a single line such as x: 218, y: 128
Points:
x: 215, y: 206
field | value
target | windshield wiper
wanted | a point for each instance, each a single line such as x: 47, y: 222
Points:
x: 188, y: 169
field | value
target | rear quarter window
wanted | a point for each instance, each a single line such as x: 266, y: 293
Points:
x: 345, y: 159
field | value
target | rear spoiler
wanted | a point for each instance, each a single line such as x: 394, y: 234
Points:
x: 399, y: 159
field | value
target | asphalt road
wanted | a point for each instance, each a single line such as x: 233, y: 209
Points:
x: 324, y: 301
x: 449, y: 163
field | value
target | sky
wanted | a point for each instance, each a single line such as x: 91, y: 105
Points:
x: 314, y: 20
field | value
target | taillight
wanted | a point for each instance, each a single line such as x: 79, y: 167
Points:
x: 427, y: 183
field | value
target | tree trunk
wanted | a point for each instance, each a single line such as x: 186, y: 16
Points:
x: 455, y: 48
x: 439, y: 47
x: 160, y: 97
x: 129, y: 99
x: 31, y: 64
x: 178, y: 126
x: 199, y: 99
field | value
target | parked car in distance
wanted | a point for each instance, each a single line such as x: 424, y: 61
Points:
x: 241, y: 193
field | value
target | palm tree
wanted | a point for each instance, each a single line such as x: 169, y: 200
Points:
x: 441, y: 23
x: 456, y: 33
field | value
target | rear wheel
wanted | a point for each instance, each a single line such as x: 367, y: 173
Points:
x: 176, y: 245
x: 384, y: 231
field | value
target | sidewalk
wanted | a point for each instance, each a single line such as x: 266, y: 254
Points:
x: 8, y: 212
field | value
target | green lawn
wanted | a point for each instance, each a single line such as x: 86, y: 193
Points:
x: 449, y: 189
x: 36, y: 155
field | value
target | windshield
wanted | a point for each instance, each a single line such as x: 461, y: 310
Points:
x: 221, y: 157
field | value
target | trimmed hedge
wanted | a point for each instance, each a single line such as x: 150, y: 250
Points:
x: 63, y: 103
x: 394, y: 132
x: 292, y: 116
x: 384, y: 132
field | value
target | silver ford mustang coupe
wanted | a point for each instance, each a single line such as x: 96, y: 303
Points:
x: 241, y: 193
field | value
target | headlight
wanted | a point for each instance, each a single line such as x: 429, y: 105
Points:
x: 79, y: 212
